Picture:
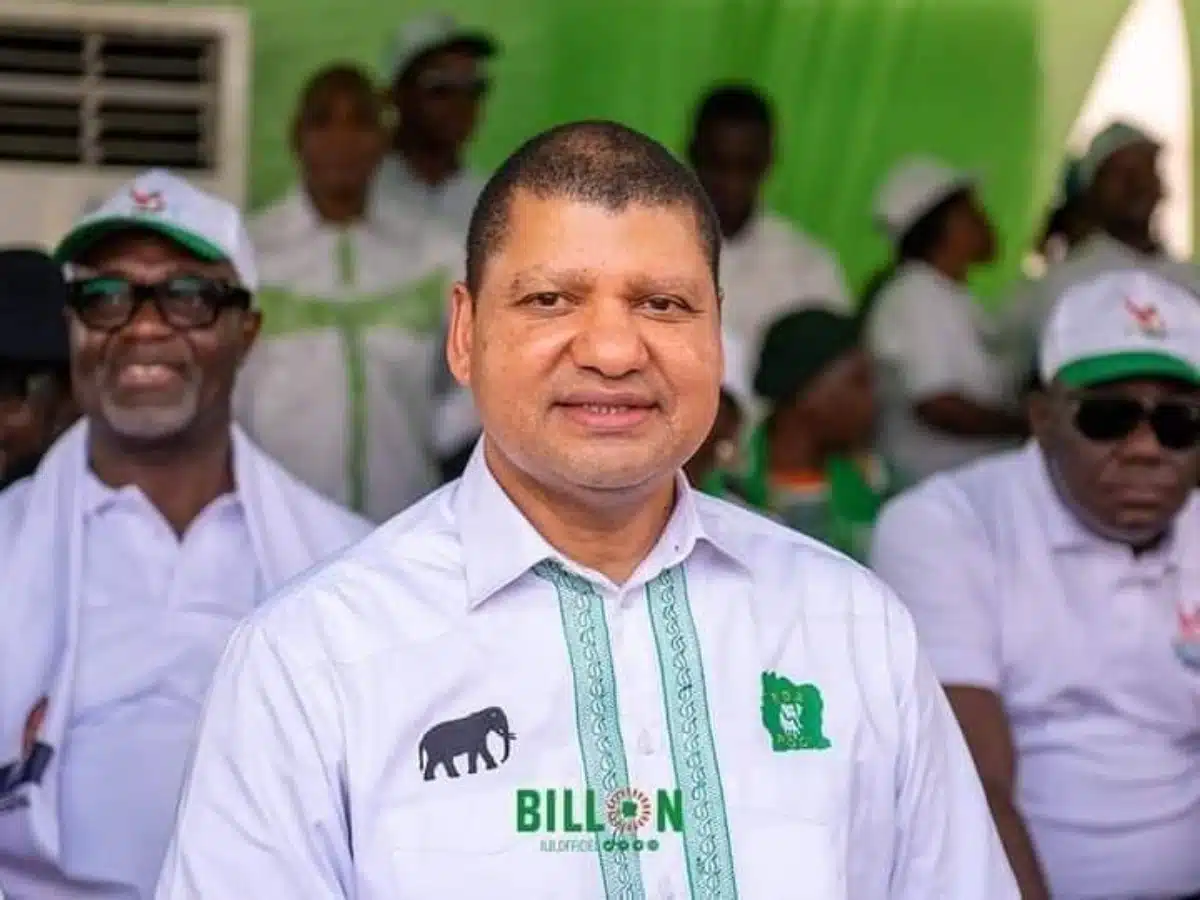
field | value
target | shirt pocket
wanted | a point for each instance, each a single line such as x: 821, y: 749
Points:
x: 788, y: 831
x: 463, y: 844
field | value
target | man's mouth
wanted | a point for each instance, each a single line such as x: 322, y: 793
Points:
x: 146, y: 376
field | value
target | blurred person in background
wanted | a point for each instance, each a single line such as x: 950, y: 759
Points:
x: 1121, y: 189
x: 712, y: 468
x: 766, y: 262
x: 36, y: 405
x: 811, y: 463
x: 945, y: 397
x: 437, y: 83
x: 1056, y: 591
x: 354, y: 296
x: 149, y: 530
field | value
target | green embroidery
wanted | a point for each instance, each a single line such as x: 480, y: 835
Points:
x: 416, y: 308
x: 793, y: 714
x: 706, y: 840
x: 597, y: 717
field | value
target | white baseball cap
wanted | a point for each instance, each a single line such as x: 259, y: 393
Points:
x: 433, y: 31
x: 1114, y: 138
x: 913, y: 188
x: 1124, y: 324
x: 166, y: 204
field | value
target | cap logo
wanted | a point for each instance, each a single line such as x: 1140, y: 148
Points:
x: 147, y: 201
x: 1146, y: 318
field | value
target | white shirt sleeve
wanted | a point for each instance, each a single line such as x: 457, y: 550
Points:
x: 828, y: 276
x: 262, y: 810
x: 924, y: 333
x: 946, y: 842
x: 931, y: 549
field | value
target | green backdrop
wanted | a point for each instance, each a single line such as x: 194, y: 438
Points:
x: 994, y: 85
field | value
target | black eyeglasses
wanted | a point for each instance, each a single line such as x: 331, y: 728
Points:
x: 109, y: 304
x: 1112, y: 417
x: 444, y: 83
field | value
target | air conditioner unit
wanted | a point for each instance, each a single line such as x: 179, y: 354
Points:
x: 92, y: 93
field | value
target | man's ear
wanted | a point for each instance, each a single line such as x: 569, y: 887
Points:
x: 460, y: 337
x: 1039, y: 410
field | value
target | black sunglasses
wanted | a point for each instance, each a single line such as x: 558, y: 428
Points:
x: 187, y: 302
x: 442, y: 83
x: 1112, y: 417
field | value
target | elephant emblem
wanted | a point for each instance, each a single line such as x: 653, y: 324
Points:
x: 444, y: 742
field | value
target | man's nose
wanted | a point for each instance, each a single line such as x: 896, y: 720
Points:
x: 1142, y: 445
x: 610, y: 339
x: 147, y: 323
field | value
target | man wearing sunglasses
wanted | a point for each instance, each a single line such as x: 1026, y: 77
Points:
x: 437, y: 85
x: 35, y: 380
x: 1057, y: 592
x: 148, y: 531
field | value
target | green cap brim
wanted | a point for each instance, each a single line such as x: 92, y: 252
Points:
x: 1121, y: 366
x: 83, y: 237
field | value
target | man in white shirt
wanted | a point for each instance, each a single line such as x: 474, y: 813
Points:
x: 149, y: 529
x: 768, y: 266
x: 567, y: 674
x: 1057, y: 591
x: 1122, y: 189
x: 438, y: 83
x: 354, y: 299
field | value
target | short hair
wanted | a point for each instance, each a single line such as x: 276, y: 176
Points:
x: 598, y: 162
x: 733, y: 102
x: 338, y: 76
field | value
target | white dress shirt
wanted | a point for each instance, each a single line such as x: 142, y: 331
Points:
x: 156, y: 613
x: 926, y: 335
x: 339, y: 386
x: 319, y: 771
x: 1075, y: 634
x: 771, y: 268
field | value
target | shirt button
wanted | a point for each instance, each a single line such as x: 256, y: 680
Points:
x: 646, y: 743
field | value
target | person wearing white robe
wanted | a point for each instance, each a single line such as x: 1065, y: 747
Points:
x: 340, y: 386
x: 146, y: 533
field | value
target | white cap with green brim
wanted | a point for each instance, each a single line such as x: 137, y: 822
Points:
x: 1122, y: 325
x: 163, y: 203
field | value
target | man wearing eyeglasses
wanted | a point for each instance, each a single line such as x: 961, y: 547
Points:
x: 147, y: 532
x: 35, y: 380
x: 437, y: 85
x: 1057, y: 592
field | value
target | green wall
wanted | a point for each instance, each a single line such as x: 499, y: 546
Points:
x: 994, y: 86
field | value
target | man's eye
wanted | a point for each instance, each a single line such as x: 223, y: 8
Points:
x: 666, y: 304
x: 544, y: 299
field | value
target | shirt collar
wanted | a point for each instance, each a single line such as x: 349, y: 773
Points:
x: 500, y: 544
x: 99, y: 497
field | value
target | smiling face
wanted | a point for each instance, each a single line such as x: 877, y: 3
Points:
x: 149, y: 381
x: 593, y: 345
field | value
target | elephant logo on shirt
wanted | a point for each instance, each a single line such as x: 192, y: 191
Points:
x: 446, y: 741
x: 793, y: 714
